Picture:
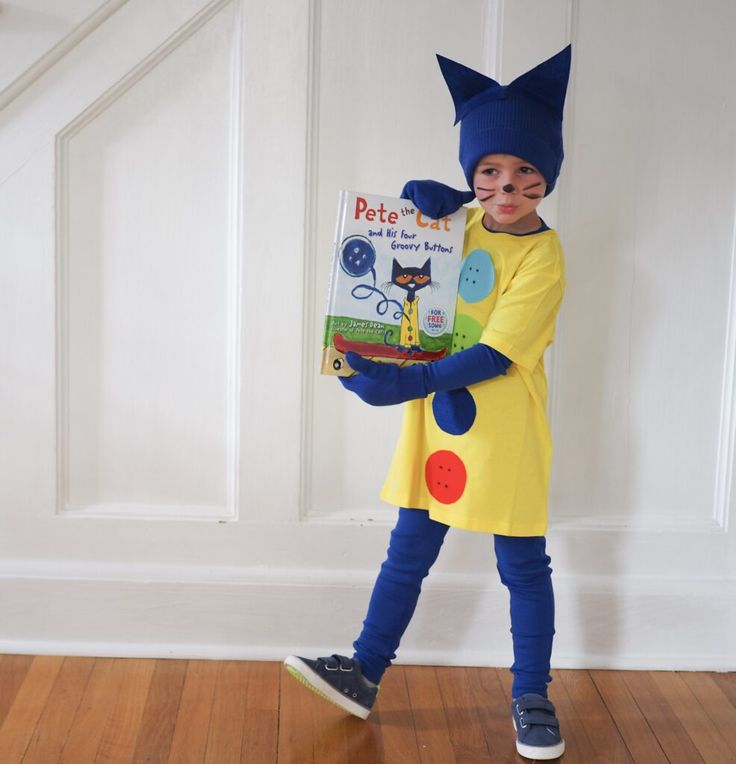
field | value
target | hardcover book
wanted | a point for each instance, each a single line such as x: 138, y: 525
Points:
x: 393, y: 282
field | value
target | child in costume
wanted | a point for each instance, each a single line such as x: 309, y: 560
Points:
x: 475, y: 448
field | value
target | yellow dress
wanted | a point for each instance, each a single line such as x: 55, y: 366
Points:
x: 479, y: 458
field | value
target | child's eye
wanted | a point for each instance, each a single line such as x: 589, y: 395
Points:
x: 489, y: 171
x: 526, y: 170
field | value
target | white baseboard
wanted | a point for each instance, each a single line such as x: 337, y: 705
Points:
x: 260, y: 614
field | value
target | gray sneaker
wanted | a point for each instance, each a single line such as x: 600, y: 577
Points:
x: 337, y: 679
x: 537, y: 729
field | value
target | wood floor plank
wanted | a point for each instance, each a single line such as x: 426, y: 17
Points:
x: 159, y: 715
x: 261, y: 725
x: 13, y: 670
x: 53, y: 727
x: 228, y: 710
x: 30, y: 700
x: 430, y: 723
x: 715, y: 704
x: 295, y: 744
x: 704, y: 734
x: 491, y: 700
x: 466, y: 733
x: 365, y: 742
x: 131, y: 679
x: 91, y: 715
x: 672, y: 736
x: 189, y: 743
x: 82, y: 710
x: 631, y: 723
x: 396, y: 719
x: 592, y: 712
x: 727, y: 683
x: 579, y: 746
x: 311, y: 729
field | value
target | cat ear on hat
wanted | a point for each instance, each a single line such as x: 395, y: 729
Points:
x: 547, y: 82
x: 464, y: 84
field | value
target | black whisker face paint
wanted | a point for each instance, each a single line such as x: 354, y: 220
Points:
x: 491, y: 194
x: 531, y: 196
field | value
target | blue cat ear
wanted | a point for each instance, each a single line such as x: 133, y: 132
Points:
x: 547, y: 82
x: 464, y: 84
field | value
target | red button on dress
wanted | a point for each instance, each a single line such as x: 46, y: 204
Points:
x: 446, y: 476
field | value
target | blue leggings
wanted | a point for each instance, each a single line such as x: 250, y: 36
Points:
x: 524, y: 568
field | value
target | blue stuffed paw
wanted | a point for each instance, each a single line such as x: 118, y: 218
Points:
x: 434, y: 199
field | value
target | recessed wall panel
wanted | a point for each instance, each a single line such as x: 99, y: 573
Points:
x: 145, y: 307
x: 650, y: 192
x: 383, y: 115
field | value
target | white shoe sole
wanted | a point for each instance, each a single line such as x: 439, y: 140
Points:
x: 539, y: 752
x: 301, y: 671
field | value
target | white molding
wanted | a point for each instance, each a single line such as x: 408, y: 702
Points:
x: 727, y: 428
x: 564, y: 216
x: 55, y: 571
x: 311, y: 188
x: 54, y: 54
x: 235, y: 255
x: 661, y: 524
x: 493, y: 37
x: 653, y: 522
x: 410, y: 656
x: 234, y: 270
x: 119, y: 511
x: 125, y: 610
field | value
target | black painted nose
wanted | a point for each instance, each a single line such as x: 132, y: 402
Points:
x: 508, y: 188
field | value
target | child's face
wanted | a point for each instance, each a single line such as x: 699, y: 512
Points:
x: 509, y: 189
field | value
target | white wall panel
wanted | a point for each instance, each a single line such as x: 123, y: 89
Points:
x: 649, y: 235
x: 144, y: 306
x: 383, y: 115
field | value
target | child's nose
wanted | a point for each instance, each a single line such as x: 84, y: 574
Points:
x: 508, y: 188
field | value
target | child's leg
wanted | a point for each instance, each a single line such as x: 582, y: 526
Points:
x: 524, y: 568
x: 415, y: 543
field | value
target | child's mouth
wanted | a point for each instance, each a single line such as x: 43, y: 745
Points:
x: 507, y: 208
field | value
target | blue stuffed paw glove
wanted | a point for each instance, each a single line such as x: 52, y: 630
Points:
x: 435, y: 200
x: 384, y: 384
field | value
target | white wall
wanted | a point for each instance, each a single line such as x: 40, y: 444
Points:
x: 177, y: 479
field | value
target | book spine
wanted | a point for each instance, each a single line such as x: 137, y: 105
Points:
x: 342, y: 207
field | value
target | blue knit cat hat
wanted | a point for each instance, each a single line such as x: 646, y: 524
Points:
x: 523, y: 118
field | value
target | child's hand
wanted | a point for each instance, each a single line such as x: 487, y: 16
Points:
x: 435, y: 200
x: 384, y: 384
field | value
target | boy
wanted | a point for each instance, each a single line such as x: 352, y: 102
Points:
x: 475, y: 449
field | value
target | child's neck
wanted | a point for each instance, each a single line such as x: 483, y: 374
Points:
x: 527, y: 224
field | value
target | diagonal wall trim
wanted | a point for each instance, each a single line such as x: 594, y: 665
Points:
x: 58, y: 51
x: 234, y: 270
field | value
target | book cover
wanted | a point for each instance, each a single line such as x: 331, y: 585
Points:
x: 393, y: 282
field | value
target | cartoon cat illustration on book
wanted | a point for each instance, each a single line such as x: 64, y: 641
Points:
x: 411, y: 280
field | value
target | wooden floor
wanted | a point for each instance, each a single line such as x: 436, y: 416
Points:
x: 80, y: 710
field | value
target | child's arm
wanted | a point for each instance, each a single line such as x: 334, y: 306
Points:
x: 435, y: 200
x: 385, y: 384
